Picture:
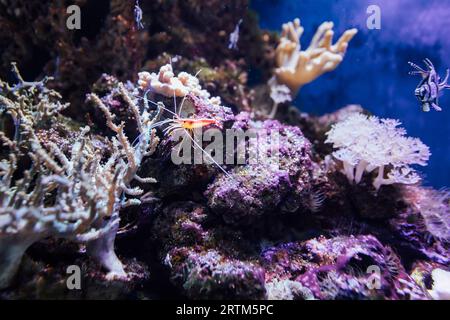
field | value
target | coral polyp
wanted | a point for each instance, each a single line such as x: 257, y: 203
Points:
x: 163, y: 151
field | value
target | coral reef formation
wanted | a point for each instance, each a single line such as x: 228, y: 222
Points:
x: 336, y: 268
x: 330, y: 209
x: 281, y: 180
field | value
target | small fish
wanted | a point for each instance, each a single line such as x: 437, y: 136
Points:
x: 431, y: 86
x: 234, y: 37
x: 138, y: 15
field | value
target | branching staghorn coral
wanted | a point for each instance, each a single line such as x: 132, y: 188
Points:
x: 82, y: 209
x: 130, y: 157
x: 29, y: 101
x: 76, y: 196
x: 295, y: 67
x: 367, y: 143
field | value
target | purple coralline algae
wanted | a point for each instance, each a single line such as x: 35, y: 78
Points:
x: 198, y: 264
x: 337, y: 269
x: 210, y: 275
x: 253, y: 190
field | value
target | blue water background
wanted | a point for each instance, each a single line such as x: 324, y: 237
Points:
x: 375, y: 71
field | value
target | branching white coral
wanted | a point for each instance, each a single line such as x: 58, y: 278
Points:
x: 295, y: 67
x: 75, y: 196
x: 81, y: 211
x: 367, y: 143
x: 31, y: 101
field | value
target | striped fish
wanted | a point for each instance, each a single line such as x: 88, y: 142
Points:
x: 431, y: 86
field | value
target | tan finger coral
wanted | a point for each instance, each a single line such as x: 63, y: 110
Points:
x: 296, y: 68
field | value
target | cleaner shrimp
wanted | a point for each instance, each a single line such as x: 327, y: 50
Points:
x: 188, y: 125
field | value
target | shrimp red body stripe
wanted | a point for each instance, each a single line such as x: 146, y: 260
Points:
x: 190, y: 124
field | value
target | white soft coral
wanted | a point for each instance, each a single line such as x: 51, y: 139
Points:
x: 367, y: 143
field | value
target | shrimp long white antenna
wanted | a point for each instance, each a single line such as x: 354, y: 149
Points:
x: 158, y: 104
x: 208, y: 155
x: 163, y: 107
x: 174, y: 96
x: 153, y: 126
x: 181, y: 106
x: 174, y: 102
